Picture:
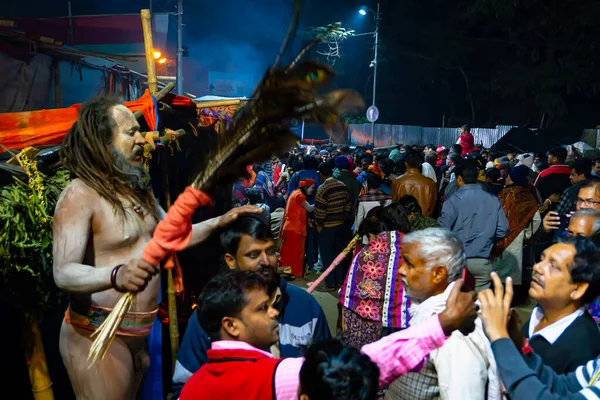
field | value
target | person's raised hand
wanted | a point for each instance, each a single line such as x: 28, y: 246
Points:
x: 554, y: 198
x: 232, y: 215
x: 460, y: 312
x: 551, y: 221
x: 134, y: 276
x: 495, y: 308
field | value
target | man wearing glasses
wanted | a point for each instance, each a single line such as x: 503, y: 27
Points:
x: 588, y: 197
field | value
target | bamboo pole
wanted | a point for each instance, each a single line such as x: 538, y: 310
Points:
x: 41, y: 384
x: 149, y: 49
x: 218, y: 103
x: 86, y: 53
x: 159, y: 96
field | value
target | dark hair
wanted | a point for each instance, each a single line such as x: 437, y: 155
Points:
x: 468, y: 171
x: 254, y: 196
x: 344, y: 149
x: 311, y: 163
x: 332, y: 371
x: 456, y: 148
x: 586, y: 265
x: 397, y: 216
x: 246, y: 225
x: 583, y: 166
x: 400, y: 167
x: 590, y: 183
x: 558, y: 152
x: 387, y: 166
x: 413, y: 159
x: 85, y: 152
x: 367, y: 158
x: 225, y: 296
x: 373, y: 180
x: 257, y: 168
x: 325, y: 169
x: 596, y: 161
x: 410, y: 204
x: 297, y: 165
x: 455, y: 157
x: 466, y: 128
x: 494, y: 174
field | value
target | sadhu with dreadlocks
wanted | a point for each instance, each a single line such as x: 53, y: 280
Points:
x: 103, y: 220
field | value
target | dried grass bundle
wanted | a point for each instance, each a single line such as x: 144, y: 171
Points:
x: 106, y: 333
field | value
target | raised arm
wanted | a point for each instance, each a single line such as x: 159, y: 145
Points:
x: 405, y: 351
x: 203, y: 230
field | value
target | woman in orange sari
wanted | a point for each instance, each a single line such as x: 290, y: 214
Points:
x: 293, y: 228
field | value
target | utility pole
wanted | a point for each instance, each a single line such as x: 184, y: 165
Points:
x: 377, y: 20
x: 180, y: 47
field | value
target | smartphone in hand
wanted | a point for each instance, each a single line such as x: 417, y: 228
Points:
x: 469, y: 280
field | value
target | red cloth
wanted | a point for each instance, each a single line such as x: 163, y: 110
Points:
x: 175, y: 231
x: 467, y: 142
x: 49, y: 127
x: 233, y: 375
x: 292, y: 252
x: 295, y: 215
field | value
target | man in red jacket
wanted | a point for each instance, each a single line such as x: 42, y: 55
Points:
x: 237, y: 314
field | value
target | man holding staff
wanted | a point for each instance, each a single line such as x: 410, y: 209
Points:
x: 103, y: 220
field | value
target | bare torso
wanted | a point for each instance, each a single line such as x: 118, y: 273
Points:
x: 113, y: 242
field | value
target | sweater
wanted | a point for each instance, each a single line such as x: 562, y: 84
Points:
x: 233, y: 374
x: 562, y: 355
x: 301, y: 322
x: 332, y: 204
x: 526, y: 376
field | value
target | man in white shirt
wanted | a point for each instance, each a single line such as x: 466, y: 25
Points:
x: 433, y: 259
x: 560, y: 329
x: 427, y: 169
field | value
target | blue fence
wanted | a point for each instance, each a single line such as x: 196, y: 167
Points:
x: 389, y: 135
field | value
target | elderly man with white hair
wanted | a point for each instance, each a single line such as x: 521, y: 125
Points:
x: 433, y: 259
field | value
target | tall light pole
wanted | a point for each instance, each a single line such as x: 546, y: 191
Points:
x: 373, y: 112
x: 180, y: 47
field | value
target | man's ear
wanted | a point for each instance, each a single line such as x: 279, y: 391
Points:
x: 439, y: 274
x: 230, y: 260
x: 459, y: 181
x: 303, y: 397
x: 579, y: 291
x: 231, y: 326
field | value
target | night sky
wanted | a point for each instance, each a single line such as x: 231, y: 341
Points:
x: 473, y: 61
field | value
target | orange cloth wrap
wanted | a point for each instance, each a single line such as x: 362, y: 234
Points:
x: 175, y: 231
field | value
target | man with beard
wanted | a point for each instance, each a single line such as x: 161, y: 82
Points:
x: 249, y: 246
x: 102, y: 223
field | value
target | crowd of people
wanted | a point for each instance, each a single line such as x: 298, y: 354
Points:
x: 434, y: 228
x: 428, y: 215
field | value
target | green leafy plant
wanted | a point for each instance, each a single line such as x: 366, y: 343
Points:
x: 26, y: 210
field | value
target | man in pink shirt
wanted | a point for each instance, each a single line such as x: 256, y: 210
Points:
x: 238, y: 316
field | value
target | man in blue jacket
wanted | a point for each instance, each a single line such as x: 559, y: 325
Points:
x: 249, y: 245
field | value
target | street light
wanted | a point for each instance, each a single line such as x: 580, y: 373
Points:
x: 373, y: 108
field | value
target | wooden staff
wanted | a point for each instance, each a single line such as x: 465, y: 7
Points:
x: 149, y: 48
x: 218, y: 103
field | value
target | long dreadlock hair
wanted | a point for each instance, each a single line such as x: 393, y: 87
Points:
x: 86, y: 154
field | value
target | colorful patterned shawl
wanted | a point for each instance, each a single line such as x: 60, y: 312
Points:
x: 519, y: 206
x: 373, y: 287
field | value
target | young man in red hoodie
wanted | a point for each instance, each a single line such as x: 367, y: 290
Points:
x: 237, y: 315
